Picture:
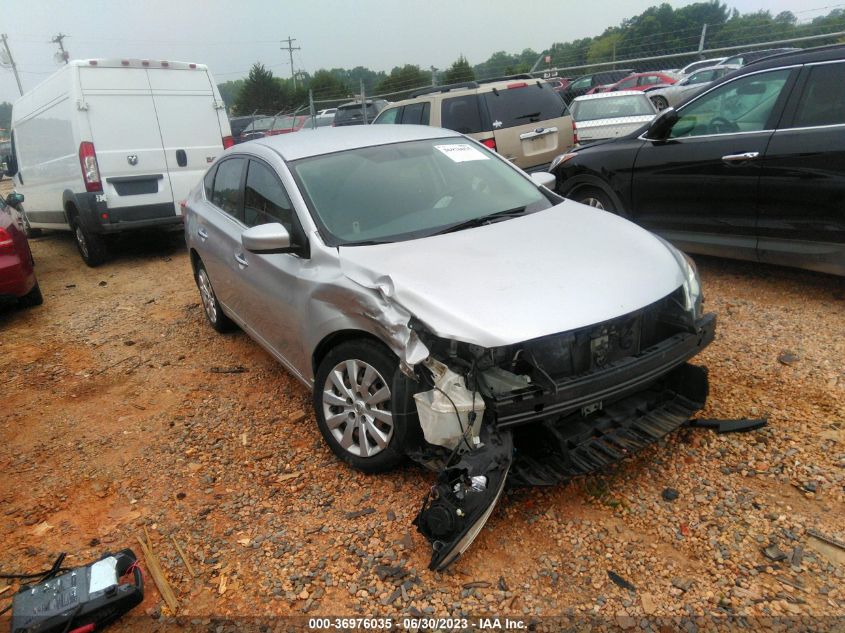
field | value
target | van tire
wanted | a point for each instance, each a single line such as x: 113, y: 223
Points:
x: 92, y: 247
x: 32, y: 298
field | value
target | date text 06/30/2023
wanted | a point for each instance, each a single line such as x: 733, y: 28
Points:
x: 410, y: 623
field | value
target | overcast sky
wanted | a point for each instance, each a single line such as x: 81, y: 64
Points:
x: 230, y: 36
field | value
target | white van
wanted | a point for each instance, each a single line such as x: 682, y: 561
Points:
x: 107, y: 145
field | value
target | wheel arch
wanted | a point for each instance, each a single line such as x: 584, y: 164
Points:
x: 334, y: 339
x: 585, y: 181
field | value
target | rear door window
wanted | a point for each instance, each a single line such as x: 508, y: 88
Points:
x: 823, y: 97
x: 227, y: 186
x: 416, y: 114
x: 390, y: 115
x: 521, y: 106
x: 462, y: 114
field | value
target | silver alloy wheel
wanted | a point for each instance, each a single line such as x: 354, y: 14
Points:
x: 593, y: 202
x: 207, y: 294
x: 80, y: 239
x: 356, y: 407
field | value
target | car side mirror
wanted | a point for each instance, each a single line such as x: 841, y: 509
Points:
x: 544, y: 179
x: 14, y: 199
x: 662, y: 124
x: 266, y: 238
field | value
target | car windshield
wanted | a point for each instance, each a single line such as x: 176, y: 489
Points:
x: 402, y: 191
x: 525, y: 104
x: 355, y: 113
x: 260, y: 125
x: 611, y: 107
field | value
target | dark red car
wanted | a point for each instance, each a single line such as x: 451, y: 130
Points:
x: 17, y: 268
x: 640, y: 81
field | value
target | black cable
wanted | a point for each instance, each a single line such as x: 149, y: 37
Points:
x: 460, y: 422
x: 43, y: 575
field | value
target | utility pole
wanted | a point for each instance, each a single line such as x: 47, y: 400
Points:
x: 363, y: 103
x: 62, y: 52
x: 312, y: 109
x: 433, y: 76
x: 12, y: 62
x: 290, y: 48
x: 701, y: 41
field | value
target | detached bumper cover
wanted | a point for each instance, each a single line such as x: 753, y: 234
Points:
x: 616, y: 380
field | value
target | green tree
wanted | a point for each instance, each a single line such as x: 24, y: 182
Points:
x: 403, y: 79
x: 260, y: 92
x: 325, y: 84
x: 229, y: 91
x: 459, y: 72
x: 5, y: 119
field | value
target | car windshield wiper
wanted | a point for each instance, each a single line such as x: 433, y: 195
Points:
x: 533, y: 115
x: 484, y: 219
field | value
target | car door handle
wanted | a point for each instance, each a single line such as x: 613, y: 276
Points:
x: 241, y: 259
x: 740, y: 158
x: 202, y: 233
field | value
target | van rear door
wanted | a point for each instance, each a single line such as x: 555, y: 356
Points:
x: 191, y: 132
x: 124, y: 129
x: 531, y: 123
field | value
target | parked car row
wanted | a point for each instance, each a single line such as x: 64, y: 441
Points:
x: 752, y: 167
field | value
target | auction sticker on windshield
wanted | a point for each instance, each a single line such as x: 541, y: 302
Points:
x: 461, y: 152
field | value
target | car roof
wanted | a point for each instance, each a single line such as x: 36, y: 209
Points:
x: 328, y: 140
x: 804, y: 56
x: 615, y: 93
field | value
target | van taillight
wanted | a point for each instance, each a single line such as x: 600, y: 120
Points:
x: 574, y: 133
x: 90, y: 170
x: 228, y: 141
x: 490, y: 143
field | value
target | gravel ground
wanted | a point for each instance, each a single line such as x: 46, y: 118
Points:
x: 116, y: 417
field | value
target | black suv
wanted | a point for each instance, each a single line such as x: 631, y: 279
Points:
x: 752, y: 168
x: 353, y: 113
x: 582, y: 85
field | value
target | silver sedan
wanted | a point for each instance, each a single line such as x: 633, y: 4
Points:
x: 688, y: 86
x: 435, y: 298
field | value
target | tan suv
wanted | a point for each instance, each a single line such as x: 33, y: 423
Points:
x: 523, y: 118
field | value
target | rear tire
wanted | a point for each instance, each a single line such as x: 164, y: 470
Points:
x: 211, y: 306
x: 91, y: 246
x: 660, y: 102
x: 32, y: 298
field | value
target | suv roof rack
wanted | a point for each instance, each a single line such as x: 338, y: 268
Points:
x: 508, y: 78
x: 447, y: 88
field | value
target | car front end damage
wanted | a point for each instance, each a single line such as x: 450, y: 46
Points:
x: 549, y: 409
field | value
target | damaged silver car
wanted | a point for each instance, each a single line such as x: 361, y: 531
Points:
x: 443, y: 305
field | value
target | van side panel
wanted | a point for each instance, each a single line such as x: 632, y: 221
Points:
x: 187, y: 109
x: 44, y: 124
x: 124, y: 129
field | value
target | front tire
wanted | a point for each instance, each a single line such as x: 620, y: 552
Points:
x: 596, y: 198
x: 660, y: 102
x: 211, y: 306
x: 91, y: 246
x: 358, y: 414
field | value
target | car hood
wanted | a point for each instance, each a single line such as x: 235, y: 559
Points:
x: 552, y: 271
